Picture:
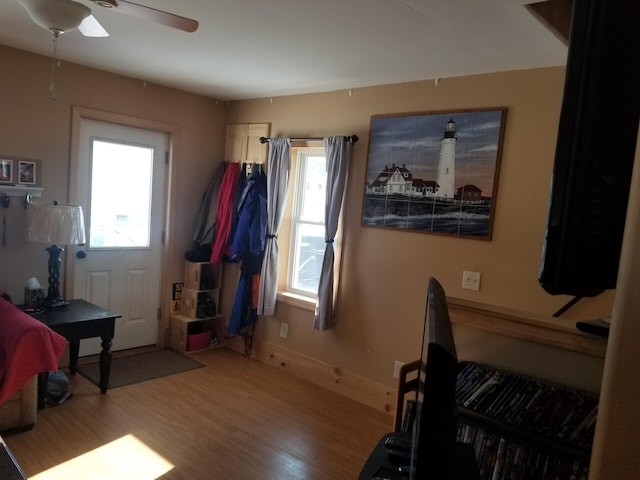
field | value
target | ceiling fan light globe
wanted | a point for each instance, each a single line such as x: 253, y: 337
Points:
x: 57, y: 16
x: 106, y: 3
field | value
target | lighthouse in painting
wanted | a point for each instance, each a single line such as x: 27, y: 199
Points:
x: 447, y: 162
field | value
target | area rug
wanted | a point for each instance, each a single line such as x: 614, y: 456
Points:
x: 140, y: 367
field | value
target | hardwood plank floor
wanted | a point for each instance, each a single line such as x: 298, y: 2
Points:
x: 235, y: 419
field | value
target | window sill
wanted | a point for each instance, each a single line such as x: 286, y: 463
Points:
x: 299, y: 301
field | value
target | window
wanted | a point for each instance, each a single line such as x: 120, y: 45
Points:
x: 307, y: 245
x: 120, y: 221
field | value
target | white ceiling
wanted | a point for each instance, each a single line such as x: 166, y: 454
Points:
x: 256, y: 48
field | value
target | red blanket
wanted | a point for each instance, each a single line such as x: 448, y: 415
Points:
x: 27, y: 347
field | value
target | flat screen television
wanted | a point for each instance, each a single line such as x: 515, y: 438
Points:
x: 435, y: 426
x: 595, y: 149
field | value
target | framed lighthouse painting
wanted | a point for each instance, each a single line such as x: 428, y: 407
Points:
x: 434, y: 172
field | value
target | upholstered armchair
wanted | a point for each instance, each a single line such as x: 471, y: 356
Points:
x: 27, y: 347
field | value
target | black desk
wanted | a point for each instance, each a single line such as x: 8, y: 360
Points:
x: 381, y: 464
x: 80, y: 319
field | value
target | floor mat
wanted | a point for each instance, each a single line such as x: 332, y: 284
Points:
x: 140, y: 367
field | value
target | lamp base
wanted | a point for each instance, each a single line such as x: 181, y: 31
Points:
x: 54, y: 299
x: 51, y: 304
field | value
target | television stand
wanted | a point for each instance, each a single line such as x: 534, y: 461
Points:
x: 381, y: 464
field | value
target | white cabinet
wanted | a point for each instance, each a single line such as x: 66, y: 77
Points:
x: 242, y: 144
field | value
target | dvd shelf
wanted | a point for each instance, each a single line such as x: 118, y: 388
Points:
x: 500, y: 456
x: 552, y: 412
x: 522, y: 427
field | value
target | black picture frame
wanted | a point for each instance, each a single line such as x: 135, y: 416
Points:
x: 27, y: 172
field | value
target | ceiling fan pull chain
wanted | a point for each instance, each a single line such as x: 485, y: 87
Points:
x: 54, y: 66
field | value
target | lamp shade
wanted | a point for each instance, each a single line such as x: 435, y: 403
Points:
x: 55, y: 224
x: 58, y: 16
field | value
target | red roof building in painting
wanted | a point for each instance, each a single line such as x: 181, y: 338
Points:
x: 469, y: 194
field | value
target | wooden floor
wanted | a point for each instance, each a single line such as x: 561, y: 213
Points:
x: 234, y: 419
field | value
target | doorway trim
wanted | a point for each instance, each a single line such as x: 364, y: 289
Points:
x: 78, y: 114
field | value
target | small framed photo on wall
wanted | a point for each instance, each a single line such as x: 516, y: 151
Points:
x: 27, y: 173
x: 6, y: 171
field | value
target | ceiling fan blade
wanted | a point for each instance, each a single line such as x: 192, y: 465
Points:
x: 151, y: 14
x: 90, y: 27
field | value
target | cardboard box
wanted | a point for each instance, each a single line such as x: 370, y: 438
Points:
x: 200, y: 275
x: 34, y: 297
x: 190, y: 299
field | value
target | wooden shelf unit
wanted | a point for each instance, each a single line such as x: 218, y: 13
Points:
x: 182, y: 327
x: 200, y: 312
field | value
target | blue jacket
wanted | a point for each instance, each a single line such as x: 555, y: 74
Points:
x: 251, y: 211
x: 248, y: 246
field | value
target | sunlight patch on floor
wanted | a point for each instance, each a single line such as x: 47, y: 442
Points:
x: 126, y: 458
x: 291, y: 467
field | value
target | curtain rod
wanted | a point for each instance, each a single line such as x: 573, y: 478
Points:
x: 350, y: 139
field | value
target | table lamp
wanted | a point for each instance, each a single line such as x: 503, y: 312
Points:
x: 56, y: 225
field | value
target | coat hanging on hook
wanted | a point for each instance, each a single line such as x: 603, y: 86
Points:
x: 248, y: 247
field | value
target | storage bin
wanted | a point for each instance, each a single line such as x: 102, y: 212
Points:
x: 198, y: 341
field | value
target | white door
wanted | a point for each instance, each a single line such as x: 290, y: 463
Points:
x: 120, y: 184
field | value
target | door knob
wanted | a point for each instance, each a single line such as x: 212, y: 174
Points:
x: 81, y: 254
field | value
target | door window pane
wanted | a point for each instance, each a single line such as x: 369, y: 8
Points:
x: 120, y: 213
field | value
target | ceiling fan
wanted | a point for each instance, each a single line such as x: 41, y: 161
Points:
x: 59, y: 16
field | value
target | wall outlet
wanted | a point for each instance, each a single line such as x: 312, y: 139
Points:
x: 396, y: 368
x: 471, y: 280
x: 284, y: 330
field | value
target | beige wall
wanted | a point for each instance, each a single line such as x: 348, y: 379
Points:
x: 381, y: 299
x: 33, y: 127
x: 384, y: 271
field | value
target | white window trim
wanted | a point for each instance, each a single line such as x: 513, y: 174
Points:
x: 286, y: 297
x: 295, y: 293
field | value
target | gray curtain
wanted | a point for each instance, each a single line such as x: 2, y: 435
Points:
x: 278, y: 168
x: 336, y: 154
